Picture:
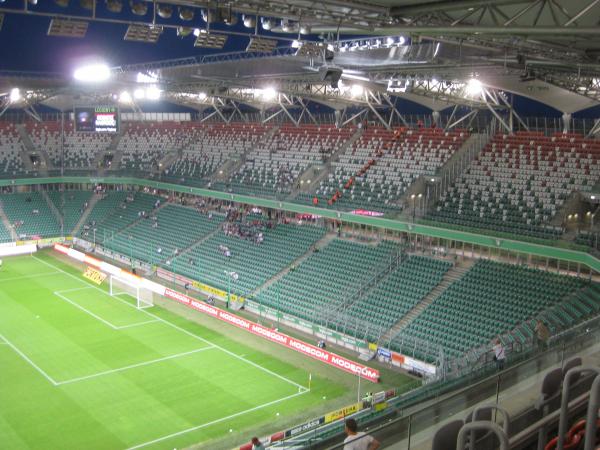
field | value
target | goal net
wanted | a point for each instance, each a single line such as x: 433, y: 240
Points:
x: 143, y: 297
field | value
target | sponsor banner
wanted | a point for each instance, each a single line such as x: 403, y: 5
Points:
x: 44, y: 241
x: 332, y: 359
x: 209, y: 290
x: 384, y: 353
x: 280, y: 338
x: 419, y: 366
x: 94, y: 275
x: 378, y: 397
x: 304, y: 427
x: 343, y: 412
x: 364, y: 212
x: 397, y: 357
x: 11, y: 250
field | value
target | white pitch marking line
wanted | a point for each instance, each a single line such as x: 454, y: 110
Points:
x: 95, y: 316
x: 29, y: 276
x: 24, y: 356
x: 181, y: 329
x: 222, y: 419
x: 132, y: 366
x: 137, y: 324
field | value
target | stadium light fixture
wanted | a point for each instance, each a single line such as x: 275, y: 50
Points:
x: 209, y: 40
x: 164, y: 11
x: 143, y: 33
x: 62, y: 3
x: 268, y: 94
x: 356, y: 90
x: 68, y: 28
x: 305, y: 29
x: 185, y: 31
x: 202, y: 95
x: 125, y: 97
x: 114, y: 6
x: 261, y: 45
x: 249, y: 21
x: 15, y: 95
x: 146, y: 77
x: 474, y: 87
x: 186, y: 14
x: 153, y: 93
x: 139, y: 94
x: 93, y: 73
x: 389, y: 41
x: 268, y: 24
x: 138, y: 8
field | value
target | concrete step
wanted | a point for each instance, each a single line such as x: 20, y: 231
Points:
x: 55, y: 212
x: 320, y: 244
x: 454, y: 273
x: 83, y: 219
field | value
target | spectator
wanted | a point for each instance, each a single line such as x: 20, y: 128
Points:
x: 499, y: 354
x: 542, y: 334
x: 358, y: 440
x: 256, y: 444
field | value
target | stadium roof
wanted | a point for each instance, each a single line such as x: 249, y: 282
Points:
x: 424, y: 51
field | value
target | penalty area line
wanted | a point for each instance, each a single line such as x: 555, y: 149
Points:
x: 132, y: 366
x: 189, y: 333
x: 26, y: 358
x: 222, y: 419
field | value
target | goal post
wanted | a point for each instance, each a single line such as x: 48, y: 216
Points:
x: 144, y: 298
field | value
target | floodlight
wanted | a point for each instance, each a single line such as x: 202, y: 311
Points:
x: 125, y: 97
x: 33, y: 2
x: 356, y: 90
x: 185, y: 31
x: 94, y: 73
x: 389, y: 41
x: 87, y: 4
x: 261, y: 45
x: 202, y: 96
x: 474, y: 87
x: 114, y: 6
x: 138, y: 8
x: 267, y: 23
x: 146, y: 77
x: 305, y: 29
x: 165, y: 11
x: 296, y: 44
x: 249, y: 21
x: 62, y: 3
x: 206, y: 40
x: 268, y: 94
x: 153, y: 93
x: 15, y: 95
x: 186, y: 14
x: 287, y: 26
x: 197, y: 31
x: 401, y: 40
x: 593, y: 197
x: 139, y: 94
x: 68, y: 28
x: 143, y: 33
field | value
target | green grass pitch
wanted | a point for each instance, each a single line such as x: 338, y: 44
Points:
x: 81, y: 369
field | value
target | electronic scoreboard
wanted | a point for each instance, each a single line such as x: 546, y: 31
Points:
x: 97, y: 119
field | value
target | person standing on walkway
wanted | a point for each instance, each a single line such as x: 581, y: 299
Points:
x: 499, y: 354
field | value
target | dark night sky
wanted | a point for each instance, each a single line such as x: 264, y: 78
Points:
x: 26, y: 47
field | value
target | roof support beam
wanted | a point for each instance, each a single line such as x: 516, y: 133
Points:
x: 429, y: 7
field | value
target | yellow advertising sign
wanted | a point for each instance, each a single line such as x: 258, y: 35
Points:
x: 343, y: 412
x: 216, y: 292
x: 94, y: 275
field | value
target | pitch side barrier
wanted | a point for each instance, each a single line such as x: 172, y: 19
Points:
x: 306, y: 349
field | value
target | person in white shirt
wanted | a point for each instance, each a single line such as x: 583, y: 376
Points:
x: 499, y: 354
x: 358, y: 440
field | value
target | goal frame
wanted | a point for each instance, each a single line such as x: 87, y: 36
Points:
x: 144, y: 298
